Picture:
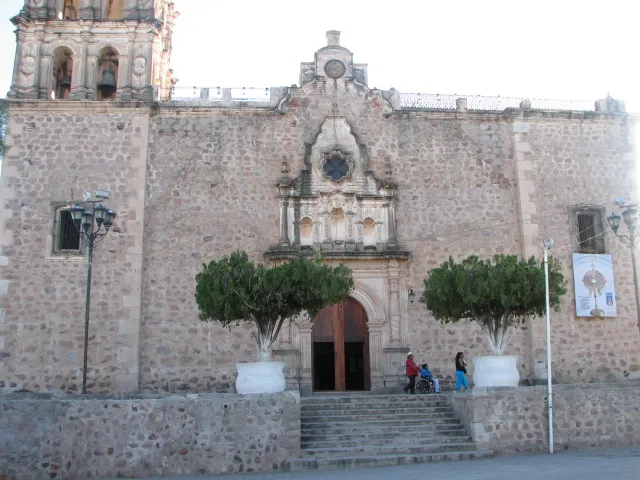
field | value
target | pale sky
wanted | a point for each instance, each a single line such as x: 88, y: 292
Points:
x: 538, y: 49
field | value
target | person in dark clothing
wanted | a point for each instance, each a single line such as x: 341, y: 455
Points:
x: 412, y: 373
x: 461, y: 370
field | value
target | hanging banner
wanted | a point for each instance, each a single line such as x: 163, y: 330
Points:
x: 594, y: 286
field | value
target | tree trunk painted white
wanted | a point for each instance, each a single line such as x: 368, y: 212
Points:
x: 497, y: 333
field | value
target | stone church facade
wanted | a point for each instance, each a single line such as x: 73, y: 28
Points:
x: 389, y: 184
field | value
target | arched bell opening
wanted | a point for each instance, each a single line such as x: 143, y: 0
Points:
x: 62, y: 73
x: 69, y: 10
x: 107, y: 85
x: 369, y: 233
x: 113, y: 9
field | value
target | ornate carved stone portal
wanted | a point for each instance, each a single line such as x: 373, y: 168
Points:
x: 334, y: 205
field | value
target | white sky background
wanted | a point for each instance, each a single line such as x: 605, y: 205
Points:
x: 570, y: 49
x: 539, y: 49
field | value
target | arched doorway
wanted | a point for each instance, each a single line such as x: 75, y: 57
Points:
x: 341, y: 348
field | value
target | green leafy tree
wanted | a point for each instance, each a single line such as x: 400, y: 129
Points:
x: 233, y: 289
x: 497, y: 293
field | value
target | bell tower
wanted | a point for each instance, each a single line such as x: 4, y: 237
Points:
x: 93, y: 49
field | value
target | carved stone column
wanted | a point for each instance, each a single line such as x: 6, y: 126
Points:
x: 326, y: 231
x: 82, y: 81
x: 126, y: 80
x: 351, y: 243
x: 296, y: 224
x: 391, y: 220
x: 306, y: 339
x: 86, y: 10
x: 52, y: 9
x: 46, y: 77
x: 375, y: 356
x: 394, y: 311
x: 131, y: 9
x: 284, y: 222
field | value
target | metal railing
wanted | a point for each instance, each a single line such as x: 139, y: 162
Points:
x: 214, y: 94
x: 478, y: 102
x: 434, y: 101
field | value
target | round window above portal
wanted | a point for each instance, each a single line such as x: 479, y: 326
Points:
x: 336, y: 165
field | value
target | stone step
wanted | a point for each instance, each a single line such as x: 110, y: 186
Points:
x: 398, y: 426
x: 335, y: 462
x: 425, y: 417
x: 374, y: 399
x: 383, y: 409
x: 461, y: 437
x: 381, y: 433
x: 390, y: 449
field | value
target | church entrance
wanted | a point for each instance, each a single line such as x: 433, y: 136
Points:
x: 341, y: 348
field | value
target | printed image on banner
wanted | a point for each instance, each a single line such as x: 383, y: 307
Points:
x: 594, y: 286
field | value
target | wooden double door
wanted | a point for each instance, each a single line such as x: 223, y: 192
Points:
x: 341, y: 348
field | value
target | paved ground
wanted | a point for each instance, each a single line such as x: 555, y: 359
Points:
x: 619, y: 464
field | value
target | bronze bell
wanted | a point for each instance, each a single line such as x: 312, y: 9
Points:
x: 66, y: 81
x: 107, y: 85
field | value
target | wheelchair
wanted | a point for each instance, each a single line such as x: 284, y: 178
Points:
x: 425, y: 385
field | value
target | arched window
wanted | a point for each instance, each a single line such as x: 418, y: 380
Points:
x: 306, y: 232
x: 62, y: 73
x: 115, y: 9
x: 369, y: 232
x: 338, y: 230
x: 108, y: 64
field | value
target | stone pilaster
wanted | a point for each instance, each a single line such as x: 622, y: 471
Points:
x: 306, y: 351
x: 46, y: 77
x: 395, y: 338
x: 296, y: 223
x: 376, y: 334
x: 529, y: 234
x: 391, y: 219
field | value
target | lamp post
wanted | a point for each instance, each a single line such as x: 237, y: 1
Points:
x: 630, y: 217
x: 92, y: 225
x: 547, y: 244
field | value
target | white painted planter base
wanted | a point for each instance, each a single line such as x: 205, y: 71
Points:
x: 260, y: 377
x: 496, y: 371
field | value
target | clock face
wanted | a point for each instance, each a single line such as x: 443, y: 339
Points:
x: 334, y: 68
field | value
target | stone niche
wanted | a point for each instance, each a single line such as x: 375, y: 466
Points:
x: 335, y: 205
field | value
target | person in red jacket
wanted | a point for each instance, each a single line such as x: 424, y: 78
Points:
x: 412, y: 373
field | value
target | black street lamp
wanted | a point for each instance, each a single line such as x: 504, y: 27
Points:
x: 412, y: 296
x: 630, y: 217
x: 92, y: 224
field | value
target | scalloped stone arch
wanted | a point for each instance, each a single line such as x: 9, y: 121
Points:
x: 365, y: 296
x: 53, y: 46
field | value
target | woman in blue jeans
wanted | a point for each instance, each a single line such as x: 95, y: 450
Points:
x: 461, y: 370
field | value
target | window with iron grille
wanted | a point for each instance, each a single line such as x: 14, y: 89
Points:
x: 589, y: 230
x: 66, y: 238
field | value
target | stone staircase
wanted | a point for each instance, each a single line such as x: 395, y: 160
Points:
x: 344, y: 431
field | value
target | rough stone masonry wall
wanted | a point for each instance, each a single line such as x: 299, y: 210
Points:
x: 55, y: 152
x: 584, y: 416
x: 211, y: 190
x: 587, y: 161
x: 44, y: 436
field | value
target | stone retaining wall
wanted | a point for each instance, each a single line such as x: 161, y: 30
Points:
x: 73, y: 437
x: 584, y: 416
